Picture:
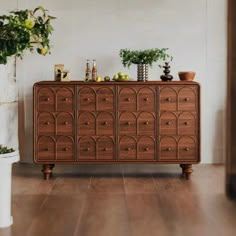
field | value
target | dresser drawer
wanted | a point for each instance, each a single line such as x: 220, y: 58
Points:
x: 106, y: 148
x: 105, y: 124
x: 187, y: 124
x: 127, y: 148
x: 127, y: 123
x: 168, y: 99
x: 187, y: 100
x: 105, y: 98
x: 87, y: 99
x: 65, y: 99
x: 46, y: 149
x: 65, y: 149
x: 127, y: 100
x: 46, y: 124
x: 168, y: 123
x: 187, y: 148
x: 168, y: 149
x: 146, y: 123
x: 87, y: 148
x: 146, y: 148
x: 45, y: 99
x: 65, y: 124
x: 146, y: 99
x: 86, y: 124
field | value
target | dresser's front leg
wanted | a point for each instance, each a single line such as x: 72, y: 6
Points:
x: 187, y: 170
x: 47, y: 170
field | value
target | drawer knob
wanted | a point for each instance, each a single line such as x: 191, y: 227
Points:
x: 146, y: 122
x: 65, y: 123
x: 168, y: 149
x: 104, y: 149
x: 86, y: 123
x: 128, y: 99
x: 187, y: 99
x: 128, y: 123
x: 186, y: 149
x: 128, y: 149
x: 47, y: 99
x: 146, y: 149
x: 105, y: 123
x: 87, y: 149
x: 46, y: 149
x: 146, y: 99
x: 186, y: 123
x: 105, y: 99
x: 168, y: 123
x: 65, y: 99
x: 168, y: 99
x: 65, y: 149
x: 86, y: 99
x: 47, y: 123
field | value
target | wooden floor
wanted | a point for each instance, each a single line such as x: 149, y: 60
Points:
x: 120, y: 201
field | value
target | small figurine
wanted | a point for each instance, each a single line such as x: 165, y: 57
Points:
x: 166, y: 76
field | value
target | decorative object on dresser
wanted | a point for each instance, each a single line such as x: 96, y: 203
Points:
x: 186, y: 75
x: 143, y: 59
x: 166, y: 76
x: 109, y: 122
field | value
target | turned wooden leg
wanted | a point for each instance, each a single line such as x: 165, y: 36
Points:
x: 47, y: 170
x: 187, y: 170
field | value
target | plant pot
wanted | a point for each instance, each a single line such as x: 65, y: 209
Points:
x: 6, y: 161
x: 142, y: 72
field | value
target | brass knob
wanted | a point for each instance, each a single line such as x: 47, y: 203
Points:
x: 168, y: 99
x: 47, y: 99
x: 128, y: 149
x: 146, y: 149
x: 186, y: 149
x: 186, y: 123
x: 168, y: 149
x: 168, y: 123
x: 187, y: 99
x: 65, y: 123
x: 128, y: 99
x: 128, y: 123
x: 146, y: 99
x: 146, y: 123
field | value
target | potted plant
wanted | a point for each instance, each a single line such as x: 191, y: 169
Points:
x: 143, y: 59
x: 7, y: 157
x: 20, y: 31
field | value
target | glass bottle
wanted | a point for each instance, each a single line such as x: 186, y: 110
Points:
x: 94, y: 71
x: 87, y: 71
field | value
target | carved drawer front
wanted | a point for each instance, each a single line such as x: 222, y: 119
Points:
x: 127, y: 148
x: 106, y: 148
x: 187, y: 148
x: 146, y: 124
x: 105, y: 123
x: 46, y: 99
x: 168, y: 124
x: 65, y: 99
x: 46, y: 149
x: 187, y: 99
x: 87, y: 99
x: 127, y: 99
x: 168, y: 99
x: 187, y: 124
x: 146, y: 99
x: 146, y: 148
x: 46, y: 124
x: 87, y: 124
x: 65, y: 124
x: 87, y: 148
x: 105, y: 98
x: 127, y: 123
x: 65, y: 149
x: 168, y: 149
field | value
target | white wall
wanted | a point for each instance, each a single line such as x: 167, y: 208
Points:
x: 194, y: 30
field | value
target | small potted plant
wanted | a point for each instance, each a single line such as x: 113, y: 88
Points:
x: 143, y: 59
x: 7, y: 157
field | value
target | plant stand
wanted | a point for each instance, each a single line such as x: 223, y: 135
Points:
x: 6, y: 161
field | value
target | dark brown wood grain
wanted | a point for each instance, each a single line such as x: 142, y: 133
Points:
x: 125, y: 122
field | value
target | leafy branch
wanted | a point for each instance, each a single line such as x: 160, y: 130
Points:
x: 4, y: 150
x: 24, y: 29
x: 148, y: 56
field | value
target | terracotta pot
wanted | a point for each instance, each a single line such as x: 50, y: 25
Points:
x: 186, y: 75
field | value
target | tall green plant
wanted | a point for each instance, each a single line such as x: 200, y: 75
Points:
x: 148, y: 56
x: 22, y: 30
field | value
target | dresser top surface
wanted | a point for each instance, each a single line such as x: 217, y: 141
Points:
x: 79, y: 82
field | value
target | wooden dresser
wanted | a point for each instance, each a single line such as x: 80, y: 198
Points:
x: 116, y: 122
